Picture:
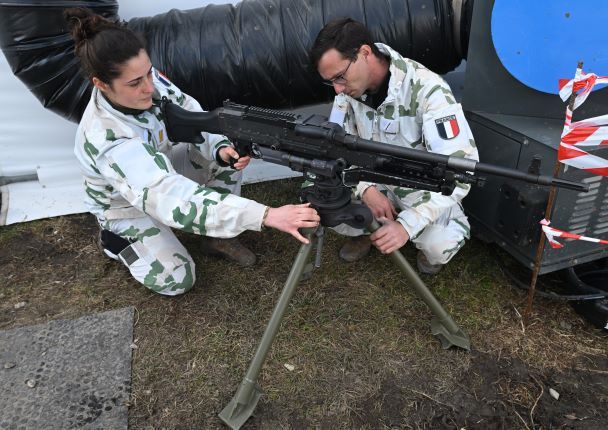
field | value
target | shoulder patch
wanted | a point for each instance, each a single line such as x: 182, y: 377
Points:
x: 447, y: 127
x: 163, y: 79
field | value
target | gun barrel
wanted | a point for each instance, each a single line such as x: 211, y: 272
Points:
x: 457, y: 163
x: 359, y: 144
x: 576, y: 186
x: 531, y: 178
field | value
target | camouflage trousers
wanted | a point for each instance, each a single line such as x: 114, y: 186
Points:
x: 439, y: 241
x: 156, y: 258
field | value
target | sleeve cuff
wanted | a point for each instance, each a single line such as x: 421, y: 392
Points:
x: 412, y: 222
x: 218, y: 159
x: 362, y: 187
x: 251, y: 212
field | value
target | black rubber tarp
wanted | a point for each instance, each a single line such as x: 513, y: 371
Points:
x: 35, y: 41
x: 254, y: 52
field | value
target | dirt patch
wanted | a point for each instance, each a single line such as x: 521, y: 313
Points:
x: 357, y: 336
x: 507, y: 393
x: 491, y: 394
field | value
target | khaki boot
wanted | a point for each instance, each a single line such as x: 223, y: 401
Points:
x: 355, y: 248
x: 230, y: 249
x: 425, y: 267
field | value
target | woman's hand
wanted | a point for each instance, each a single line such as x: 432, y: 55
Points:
x: 290, y: 218
x: 228, y: 153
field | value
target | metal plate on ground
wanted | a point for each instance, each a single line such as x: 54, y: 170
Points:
x: 67, y: 374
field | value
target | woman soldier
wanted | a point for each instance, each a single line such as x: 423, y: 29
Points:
x: 140, y: 185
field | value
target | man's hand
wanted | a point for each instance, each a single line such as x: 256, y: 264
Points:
x: 290, y: 218
x: 390, y: 237
x: 379, y: 204
x: 228, y: 152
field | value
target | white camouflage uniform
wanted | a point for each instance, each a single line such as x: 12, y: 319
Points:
x: 139, y: 185
x: 415, y: 114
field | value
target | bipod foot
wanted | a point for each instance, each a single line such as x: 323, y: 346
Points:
x: 448, y: 338
x: 242, y: 405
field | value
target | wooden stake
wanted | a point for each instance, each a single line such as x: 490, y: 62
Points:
x: 548, y: 211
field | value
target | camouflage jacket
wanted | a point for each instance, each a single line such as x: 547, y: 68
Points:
x: 419, y: 112
x: 125, y: 161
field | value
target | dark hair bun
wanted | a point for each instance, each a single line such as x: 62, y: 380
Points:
x: 101, y: 45
x: 84, y: 24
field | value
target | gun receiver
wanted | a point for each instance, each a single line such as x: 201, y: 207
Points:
x: 317, y: 147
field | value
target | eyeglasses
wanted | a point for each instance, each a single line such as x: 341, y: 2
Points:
x: 341, y: 78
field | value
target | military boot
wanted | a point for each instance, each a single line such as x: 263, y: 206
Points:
x: 355, y: 248
x: 425, y: 267
x: 230, y: 249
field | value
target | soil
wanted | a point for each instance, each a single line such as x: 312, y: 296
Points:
x: 363, y: 355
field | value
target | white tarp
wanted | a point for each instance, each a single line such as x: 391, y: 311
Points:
x: 37, y: 144
x: 34, y: 140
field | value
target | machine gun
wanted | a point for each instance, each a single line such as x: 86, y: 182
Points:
x: 333, y: 161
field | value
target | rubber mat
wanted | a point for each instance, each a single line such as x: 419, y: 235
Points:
x: 67, y: 374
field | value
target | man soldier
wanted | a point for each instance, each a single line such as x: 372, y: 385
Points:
x: 386, y: 97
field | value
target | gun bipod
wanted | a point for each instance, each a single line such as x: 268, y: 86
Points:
x: 242, y: 405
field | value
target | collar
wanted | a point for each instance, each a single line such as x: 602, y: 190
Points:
x: 374, y: 100
x: 398, y: 70
x: 142, y: 118
x: 122, y: 109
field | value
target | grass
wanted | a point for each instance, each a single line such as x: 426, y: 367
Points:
x: 357, y: 335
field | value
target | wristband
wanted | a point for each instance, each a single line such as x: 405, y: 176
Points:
x: 265, y: 215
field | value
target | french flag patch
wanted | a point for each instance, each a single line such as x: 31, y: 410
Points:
x: 163, y: 79
x: 447, y: 127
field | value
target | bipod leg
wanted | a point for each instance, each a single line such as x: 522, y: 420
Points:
x: 248, y: 394
x: 442, y: 326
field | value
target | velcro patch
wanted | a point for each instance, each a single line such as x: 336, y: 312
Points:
x: 129, y: 255
x: 447, y: 127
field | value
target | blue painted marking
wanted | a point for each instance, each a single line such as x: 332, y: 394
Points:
x: 541, y: 41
